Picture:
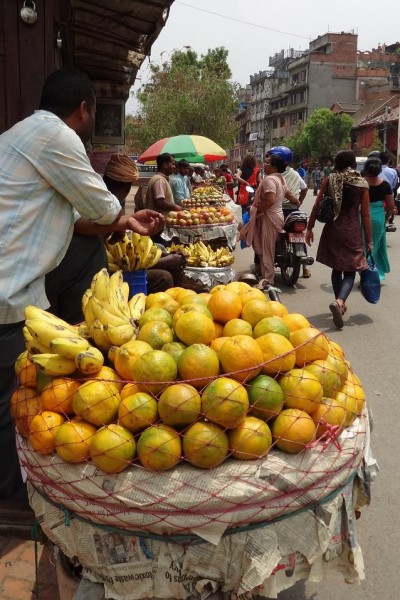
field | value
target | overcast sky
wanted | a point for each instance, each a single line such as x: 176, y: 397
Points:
x: 257, y: 29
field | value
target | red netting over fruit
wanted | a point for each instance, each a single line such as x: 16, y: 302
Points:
x: 199, y: 439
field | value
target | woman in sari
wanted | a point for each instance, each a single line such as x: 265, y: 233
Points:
x: 266, y: 216
x: 381, y: 209
x: 341, y: 245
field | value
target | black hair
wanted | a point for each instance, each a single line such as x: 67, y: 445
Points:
x: 373, y: 166
x: 384, y: 156
x: 183, y: 163
x: 345, y: 159
x: 276, y: 161
x: 163, y: 158
x: 63, y: 92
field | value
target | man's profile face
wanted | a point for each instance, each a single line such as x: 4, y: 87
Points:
x: 87, y: 127
x: 168, y: 167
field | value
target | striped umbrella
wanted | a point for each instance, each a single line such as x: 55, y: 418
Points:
x: 194, y: 148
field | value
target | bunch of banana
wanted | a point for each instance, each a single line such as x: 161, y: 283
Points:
x: 179, y: 248
x: 132, y: 254
x: 202, y: 255
x: 57, y: 348
x: 110, y: 316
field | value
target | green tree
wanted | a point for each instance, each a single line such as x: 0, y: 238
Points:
x: 189, y: 95
x: 324, y: 134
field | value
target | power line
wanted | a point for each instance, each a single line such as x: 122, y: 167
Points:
x: 242, y: 22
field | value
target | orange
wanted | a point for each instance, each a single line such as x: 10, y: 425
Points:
x: 335, y: 349
x: 326, y: 374
x: 129, y: 389
x: 310, y: 344
x: 217, y: 288
x: 250, y: 440
x: 111, y: 354
x: 26, y: 370
x: 156, y: 334
x: 278, y: 353
x: 295, y: 321
x: 191, y: 306
x: 193, y: 299
x: 237, y: 287
x: 237, y: 327
x: 193, y: 327
x: 356, y: 394
x: 96, y: 402
x: 112, y: 448
x: 292, y: 430
x: 137, y: 412
x: 205, y: 445
x: 241, y: 357
x: 271, y: 325
x: 126, y: 356
x: 155, y: 314
x: 301, y: 389
x: 159, y: 448
x: 24, y: 405
x: 265, y: 397
x: 225, y: 402
x: 252, y: 294
x: 224, y: 306
x: 216, y: 344
x: 73, y: 440
x: 42, y: 431
x: 198, y: 364
x: 173, y: 292
x: 205, y: 297
x: 175, y: 349
x: 157, y: 299
x: 154, y: 370
x: 57, y: 395
x: 179, y: 405
x: 183, y: 293
x: 255, y: 310
x: 170, y: 305
x: 219, y: 329
x: 278, y: 309
x: 349, y: 403
x: 329, y: 413
x: 110, y: 376
x: 339, y: 365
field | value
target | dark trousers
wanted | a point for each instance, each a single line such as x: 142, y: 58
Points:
x: 12, y: 343
x: 342, y: 283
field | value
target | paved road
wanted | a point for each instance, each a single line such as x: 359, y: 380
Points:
x: 371, y: 340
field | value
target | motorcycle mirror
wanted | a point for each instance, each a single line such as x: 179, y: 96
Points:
x: 249, y: 189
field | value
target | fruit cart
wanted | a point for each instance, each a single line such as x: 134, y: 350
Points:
x: 194, y: 458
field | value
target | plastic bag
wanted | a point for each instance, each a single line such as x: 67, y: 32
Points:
x: 370, y: 284
x: 246, y: 218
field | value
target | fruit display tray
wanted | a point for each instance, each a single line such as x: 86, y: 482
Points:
x: 194, y: 233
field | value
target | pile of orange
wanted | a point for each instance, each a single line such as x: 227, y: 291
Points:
x: 209, y: 376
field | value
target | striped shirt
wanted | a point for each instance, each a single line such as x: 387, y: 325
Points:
x: 44, y: 174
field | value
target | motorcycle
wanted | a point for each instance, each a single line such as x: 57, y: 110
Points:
x: 290, y: 251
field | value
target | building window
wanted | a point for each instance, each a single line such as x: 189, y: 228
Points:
x: 274, y: 123
x: 282, y: 122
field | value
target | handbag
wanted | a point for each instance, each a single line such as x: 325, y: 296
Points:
x: 243, y: 195
x: 325, y: 210
x: 370, y: 284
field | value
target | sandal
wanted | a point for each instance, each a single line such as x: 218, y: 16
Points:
x: 306, y: 273
x: 336, y: 314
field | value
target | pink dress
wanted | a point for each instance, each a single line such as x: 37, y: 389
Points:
x: 266, y: 223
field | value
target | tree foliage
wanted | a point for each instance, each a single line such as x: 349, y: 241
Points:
x: 323, y: 135
x: 189, y: 95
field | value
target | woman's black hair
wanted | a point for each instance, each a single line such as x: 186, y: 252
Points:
x: 373, y: 166
x: 278, y: 162
x: 345, y: 159
x: 63, y: 92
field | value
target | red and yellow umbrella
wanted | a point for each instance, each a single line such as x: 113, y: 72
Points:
x: 194, y: 148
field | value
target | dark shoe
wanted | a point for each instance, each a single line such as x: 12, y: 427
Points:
x: 390, y: 228
x: 336, y: 314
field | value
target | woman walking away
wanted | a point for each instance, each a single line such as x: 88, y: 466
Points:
x: 341, y: 244
x: 381, y: 209
x: 266, y: 216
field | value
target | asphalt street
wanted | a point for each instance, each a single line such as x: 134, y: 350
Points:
x: 370, y: 339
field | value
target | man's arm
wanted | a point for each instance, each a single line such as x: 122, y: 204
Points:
x: 145, y: 222
x: 160, y: 196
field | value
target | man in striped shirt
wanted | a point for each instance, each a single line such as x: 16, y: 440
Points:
x: 44, y: 175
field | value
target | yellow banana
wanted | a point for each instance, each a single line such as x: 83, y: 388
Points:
x: 106, y: 317
x: 135, y: 238
x: 54, y: 364
x: 83, y: 330
x: 88, y: 311
x: 111, y: 353
x: 155, y: 256
x: 69, y: 347
x: 102, y: 286
x: 45, y: 331
x: 33, y: 312
x: 90, y: 361
x: 125, y: 290
x: 32, y: 344
x: 125, y: 263
x: 144, y: 246
x: 121, y: 334
x: 85, y: 298
x: 137, y: 305
x: 99, y: 337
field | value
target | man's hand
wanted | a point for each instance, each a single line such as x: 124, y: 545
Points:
x: 173, y: 261
x: 146, y: 222
x: 309, y: 237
